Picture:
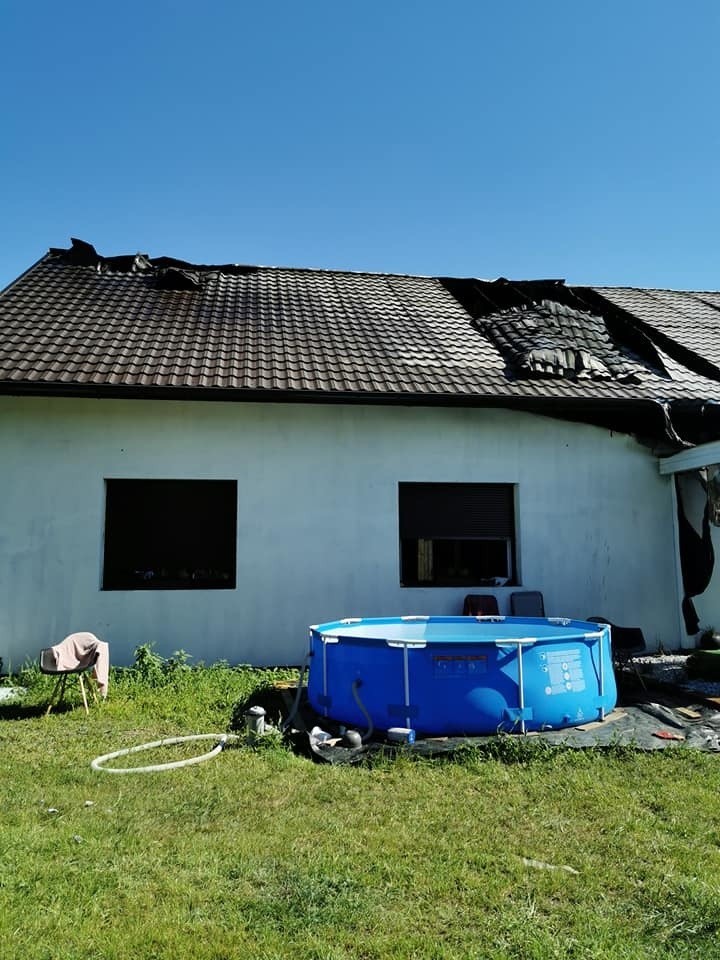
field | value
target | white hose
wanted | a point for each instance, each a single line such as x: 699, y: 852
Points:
x: 221, y: 739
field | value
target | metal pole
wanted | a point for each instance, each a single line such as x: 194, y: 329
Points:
x: 602, y: 672
x: 325, y: 693
x: 406, y: 681
x: 522, y: 688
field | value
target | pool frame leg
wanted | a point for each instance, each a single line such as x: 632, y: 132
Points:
x: 521, y: 687
x: 406, y: 682
x: 602, y: 676
x: 325, y: 693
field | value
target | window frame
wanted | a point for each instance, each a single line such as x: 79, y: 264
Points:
x: 211, y: 531
x: 489, y: 528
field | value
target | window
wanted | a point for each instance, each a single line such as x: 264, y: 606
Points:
x: 170, y: 534
x: 456, y: 534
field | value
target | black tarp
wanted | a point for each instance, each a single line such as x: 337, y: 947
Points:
x: 697, y: 558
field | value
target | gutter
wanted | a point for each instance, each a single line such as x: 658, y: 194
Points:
x: 703, y: 455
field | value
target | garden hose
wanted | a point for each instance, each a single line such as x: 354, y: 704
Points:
x: 356, y: 696
x: 298, y: 693
x: 221, y: 738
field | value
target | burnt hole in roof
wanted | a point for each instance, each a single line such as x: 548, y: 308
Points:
x: 174, y: 278
x: 544, y: 328
x: 549, y: 339
x: 170, y: 273
x: 79, y: 254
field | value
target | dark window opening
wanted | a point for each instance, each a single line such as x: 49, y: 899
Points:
x: 170, y: 535
x: 457, y: 534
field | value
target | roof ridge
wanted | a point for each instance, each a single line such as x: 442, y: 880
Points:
x: 335, y: 271
x: 81, y: 253
x: 607, y: 286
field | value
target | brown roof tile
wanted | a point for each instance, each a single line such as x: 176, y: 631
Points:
x: 113, y: 323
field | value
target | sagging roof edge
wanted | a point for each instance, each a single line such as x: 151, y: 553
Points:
x: 664, y: 428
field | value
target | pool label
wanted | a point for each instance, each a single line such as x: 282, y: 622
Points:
x: 460, y: 666
x: 564, y: 673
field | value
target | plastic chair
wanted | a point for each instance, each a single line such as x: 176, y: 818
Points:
x: 47, y: 665
x: 480, y: 605
x: 527, y: 603
x: 626, y: 643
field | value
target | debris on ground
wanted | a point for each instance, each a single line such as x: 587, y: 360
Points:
x: 540, y: 865
x: 673, y: 716
x: 670, y: 669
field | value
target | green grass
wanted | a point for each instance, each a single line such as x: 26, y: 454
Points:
x: 261, y: 854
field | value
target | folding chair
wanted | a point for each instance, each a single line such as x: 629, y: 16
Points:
x: 480, y: 605
x: 527, y: 603
x: 48, y: 666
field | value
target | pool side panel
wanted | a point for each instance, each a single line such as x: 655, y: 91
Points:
x: 450, y: 686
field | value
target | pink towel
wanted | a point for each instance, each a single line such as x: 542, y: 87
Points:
x: 80, y: 650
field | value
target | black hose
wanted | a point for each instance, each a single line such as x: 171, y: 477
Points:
x: 298, y: 693
x: 356, y: 697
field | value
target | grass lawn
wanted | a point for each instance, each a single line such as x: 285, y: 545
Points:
x: 261, y: 854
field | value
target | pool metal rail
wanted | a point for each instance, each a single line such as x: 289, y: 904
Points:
x: 519, y: 643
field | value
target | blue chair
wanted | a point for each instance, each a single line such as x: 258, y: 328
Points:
x: 527, y: 603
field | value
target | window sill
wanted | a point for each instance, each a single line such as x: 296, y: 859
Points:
x: 158, y: 588
x: 455, y: 586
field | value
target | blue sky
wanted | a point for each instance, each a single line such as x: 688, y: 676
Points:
x: 562, y: 138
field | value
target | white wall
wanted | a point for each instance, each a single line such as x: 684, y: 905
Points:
x: 317, y: 518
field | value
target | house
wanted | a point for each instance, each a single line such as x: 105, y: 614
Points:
x: 212, y: 457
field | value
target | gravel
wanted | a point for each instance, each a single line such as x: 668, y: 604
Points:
x: 670, y: 668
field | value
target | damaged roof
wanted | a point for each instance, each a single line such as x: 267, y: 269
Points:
x: 79, y: 323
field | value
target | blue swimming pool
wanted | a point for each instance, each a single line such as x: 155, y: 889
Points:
x: 461, y: 675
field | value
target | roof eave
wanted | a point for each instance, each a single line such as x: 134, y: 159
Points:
x: 281, y: 395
